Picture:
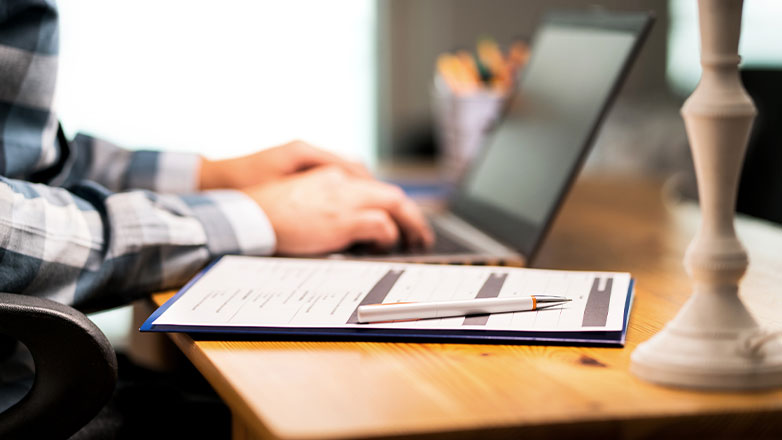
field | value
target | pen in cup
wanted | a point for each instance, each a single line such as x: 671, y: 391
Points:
x: 445, y: 309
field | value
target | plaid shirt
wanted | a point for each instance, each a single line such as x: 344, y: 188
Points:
x: 88, y: 223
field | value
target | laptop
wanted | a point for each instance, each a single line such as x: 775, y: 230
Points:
x: 508, y: 198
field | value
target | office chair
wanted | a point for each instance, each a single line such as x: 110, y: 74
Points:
x: 75, y: 368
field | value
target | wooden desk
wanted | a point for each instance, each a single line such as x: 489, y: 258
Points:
x: 324, y: 390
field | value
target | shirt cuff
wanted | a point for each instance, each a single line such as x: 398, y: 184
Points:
x: 119, y: 169
x: 233, y: 222
x: 164, y: 172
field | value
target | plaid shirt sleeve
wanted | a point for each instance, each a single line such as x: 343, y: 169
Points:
x: 72, y: 226
x: 119, y: 169
x: 87, y: 246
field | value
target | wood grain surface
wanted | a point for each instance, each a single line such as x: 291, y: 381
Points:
x: 323, y: 390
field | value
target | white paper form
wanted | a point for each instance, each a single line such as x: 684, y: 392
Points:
x: 305, y: 293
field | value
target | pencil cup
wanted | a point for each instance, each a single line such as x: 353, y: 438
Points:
x: 462, y: 123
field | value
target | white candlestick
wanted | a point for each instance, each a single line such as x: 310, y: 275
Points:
x: 713, y: 341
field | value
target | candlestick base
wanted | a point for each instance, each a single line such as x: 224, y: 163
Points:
x: 689, y: 354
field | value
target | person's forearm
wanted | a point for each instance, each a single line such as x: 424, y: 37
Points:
x: 217, y: 174
x: 93, y: 248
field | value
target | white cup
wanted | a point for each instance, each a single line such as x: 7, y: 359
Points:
x: 462, y: 123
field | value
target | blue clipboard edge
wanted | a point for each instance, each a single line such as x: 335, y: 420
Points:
x: 610, y: 339
x: 147, y: 326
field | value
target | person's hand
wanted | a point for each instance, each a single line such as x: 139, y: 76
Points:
x: 327, y: 209
x: 271, y: 164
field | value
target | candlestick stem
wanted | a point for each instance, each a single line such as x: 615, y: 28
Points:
x: 707, y: 345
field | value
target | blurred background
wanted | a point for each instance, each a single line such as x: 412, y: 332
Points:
x: 355, y: 76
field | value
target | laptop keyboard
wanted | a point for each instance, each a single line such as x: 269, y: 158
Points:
x: 444, y: 243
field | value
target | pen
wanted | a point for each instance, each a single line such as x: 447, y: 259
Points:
x: 443, y: 309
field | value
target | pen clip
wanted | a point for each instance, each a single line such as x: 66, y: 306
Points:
x: 392, y: 304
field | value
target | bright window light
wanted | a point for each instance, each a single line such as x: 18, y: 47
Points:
x: 220, y: 78
x: 759, y: 45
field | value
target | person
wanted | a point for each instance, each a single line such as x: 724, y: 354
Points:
x: 87, y: 223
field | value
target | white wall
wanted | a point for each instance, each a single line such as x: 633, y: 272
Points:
x: 220, y: 78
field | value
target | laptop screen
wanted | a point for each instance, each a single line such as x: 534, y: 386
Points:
x: 515, y: 187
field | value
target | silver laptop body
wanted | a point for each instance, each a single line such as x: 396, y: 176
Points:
x: 507, y: 200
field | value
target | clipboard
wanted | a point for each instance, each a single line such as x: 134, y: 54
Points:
x: 238, y: 297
